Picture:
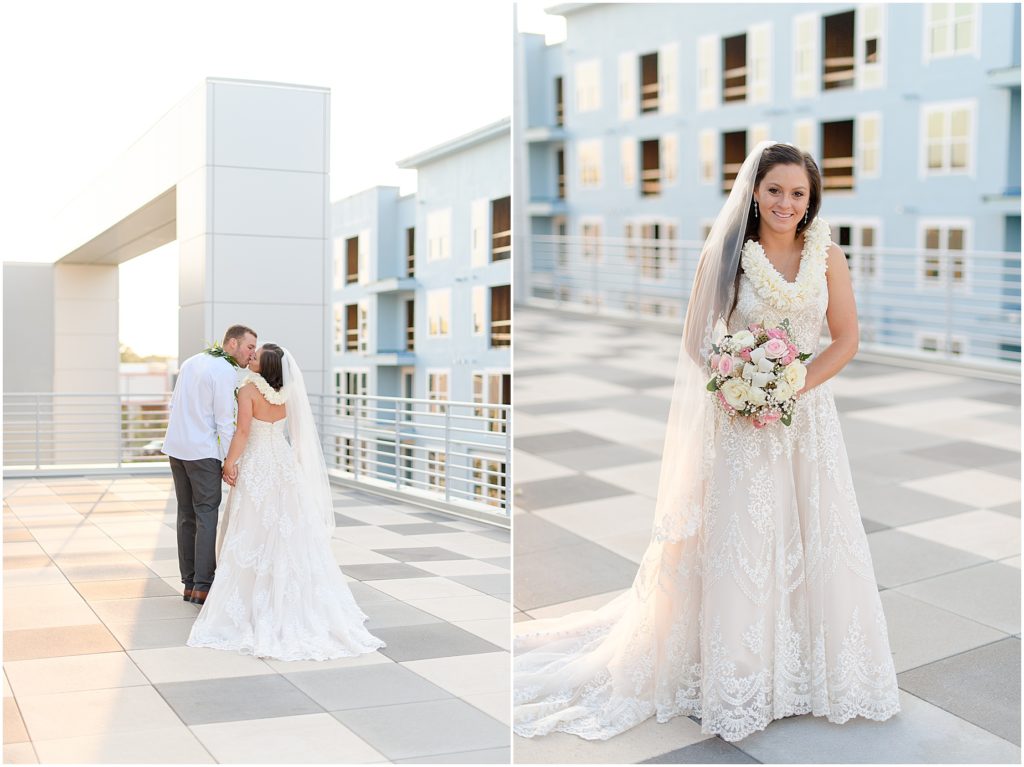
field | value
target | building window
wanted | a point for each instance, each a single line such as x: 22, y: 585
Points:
x: 339, y: 327
x: 591, y: 231
x: 408, y: 392
x: 858, y: 242
x: 734, y: 68
x: 439, y: 234
x: 492, y: 389
x: 479, y: 309
x: 652, y: 254
x: 352, y: 327
x: 950, y: 29
x: 734, y: 151
x: 943, y: 258
x: 837, y: 155
x: 588, y: 86
x: 351, y: 260
x: 439, y: 309
x: 589, y: 159
x: 935, y: 343
x: 350, y: 387
x: 649, y: 82
x: 869, y: 141
x: 437, y: 389
x: 560, y: 171
x: 949, y: 135
x: 489, y: 481
x: 650, y: 172
x: 707, y: 157
x: 364, y: 326
x: 501, y: 316
x: 559, y: 101
x: 501, y: 229
x: 410, y: 325
x: 410, y: 251
x: 837, y: 67
x: 435, y: 468
x: 562, y: 247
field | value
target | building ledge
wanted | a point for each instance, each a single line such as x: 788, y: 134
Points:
x: 1006, y: 201
x: 391, y: 285
x: 392, y: 358
x: 550, y: 207
x: 1004, y: 77
x: 543, y: 133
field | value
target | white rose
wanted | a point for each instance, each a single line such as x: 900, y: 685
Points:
x: 757, y: 396
x: 748, y: 371
x: 735, y: 391
x: 761, y: 379
x: 766, y: 365
x: 756, y: 355
x: 744, y: 339
x: 783, y: 391
x: 796, y: 374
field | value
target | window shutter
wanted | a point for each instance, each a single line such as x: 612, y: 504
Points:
x: 628, y: 150
x: 628, y: 74
x: 668, y: 75
x: 478, y: 232
x: 869, y: 145
x: 805, y: 55
x: 870, y: 22
x: 803, y: 135
x: 707, y: 72
x: 669, y: 158
x: 364, y: 256
x: 759, y: 63
x: 708, y: 159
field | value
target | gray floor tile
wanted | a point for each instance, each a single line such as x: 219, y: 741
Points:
x: 494, y: 533
x: 570, y: 572
x: 894, y: 505
x: 236, y: 699
x: 367, y: 595
x: 564, y: 440
x: 621, y: 376
x: 418, y: 528
x: 423, y: 554
x: 149, y: 635
x: 870, y: 526
x: 431, y: 640
x: 495, y: 584
x: 342, y: 521
x: 966, y: 453
x: 864, y: 369
x: 919, y: 733
x: 1013, y: 509
x: 988, y: 594
x: 505, y: 562
x: 551, y: 408
x: 535, y: 534
x: 383, y: 571
x: 710, y: 751
x: 980, y: 685
x: 869, y: 437
x: 894, y: 468
x: 920, y: 633
x: 486, y: 756
x: 851, y: 404
x: 395, y: 613
x: 1009, y: 469
x: 432, y: 516
x: 426, y: 729
x: 379, y: 684
x: 600, y: 457
x: 563, y: 490
x: 903, y: 558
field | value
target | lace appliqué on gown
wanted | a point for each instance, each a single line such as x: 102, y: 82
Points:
x: 278, y: 593
x: 767, y: 606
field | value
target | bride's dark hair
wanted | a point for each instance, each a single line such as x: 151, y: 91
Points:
x: 780, y: 154
x: 270, y: 365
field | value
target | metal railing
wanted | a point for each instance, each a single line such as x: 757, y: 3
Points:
x: 949, y: 305
x: 458, y: 453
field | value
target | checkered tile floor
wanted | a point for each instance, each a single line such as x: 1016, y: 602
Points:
x: 96, y: 670
x: 936, y: 460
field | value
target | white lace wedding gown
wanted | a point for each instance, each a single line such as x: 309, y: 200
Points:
x: 277, y: 592
x: 769, y: 608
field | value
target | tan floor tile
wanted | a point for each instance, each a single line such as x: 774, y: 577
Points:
x: 985, y: 533
x: 17, y: 535
x: 73, y: 673
x: 54, y: 604
x: 94, y: 591
x: 21, y: 563
x: 25, y: 644
x: 170, y: 745
x: 182, y: 664
x: 495, y: 704
x: 20, y: 753
x: 971, y: 487
x: 14, y: 727
x: 466, y: 674
x: 42, y: 574
x: 96, y: 712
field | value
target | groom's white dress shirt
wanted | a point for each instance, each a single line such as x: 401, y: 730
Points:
x: 202, y: 409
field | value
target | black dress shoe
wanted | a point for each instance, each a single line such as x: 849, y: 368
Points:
x: 199, y: 597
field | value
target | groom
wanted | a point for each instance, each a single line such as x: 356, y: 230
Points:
x: 199, y: 432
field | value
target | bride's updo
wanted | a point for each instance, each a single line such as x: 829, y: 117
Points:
x: 271, y: 366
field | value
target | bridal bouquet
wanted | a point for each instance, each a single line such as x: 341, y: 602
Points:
x: 757, y: 372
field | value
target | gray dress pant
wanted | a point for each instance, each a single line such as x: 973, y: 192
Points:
x: 198, y: 490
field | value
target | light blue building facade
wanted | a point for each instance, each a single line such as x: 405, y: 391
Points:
x: 420, y: 299
x: 635, y: 126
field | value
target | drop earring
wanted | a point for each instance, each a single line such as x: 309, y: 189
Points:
x: 755, y: 208
x: 806, y: 213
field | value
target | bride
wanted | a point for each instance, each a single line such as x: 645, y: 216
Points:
x: 278, y: 593
x: 756, y: 598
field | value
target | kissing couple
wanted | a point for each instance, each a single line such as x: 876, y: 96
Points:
x: 240, y: 413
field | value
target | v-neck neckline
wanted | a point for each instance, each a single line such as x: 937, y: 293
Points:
x: 800, y: 265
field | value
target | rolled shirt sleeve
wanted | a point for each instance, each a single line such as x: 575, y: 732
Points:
x: 224, y: 406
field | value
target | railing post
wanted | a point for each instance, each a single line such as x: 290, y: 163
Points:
x: 948, y: 271
x: 398, y: 446
x: 508, y: 464
x: 38, y: 416
x: 120, y: 429
x: 447, y: 451
x: 355, y: 437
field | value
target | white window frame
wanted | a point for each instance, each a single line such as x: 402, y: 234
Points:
x: 430, y: 379
x: 940, y: 342
x: 363, y: 325
x: 363, y: 256
x: 668, y: 151
x: 482, y: 473
x: 439, y: 306
x: 362, y: 378
x: 590, y: 152
x: 338, y: 327
x: 587, y: 85
x: 759, y: 64
x: 860, y: 143
x: 944, y: 224
x: 439, y: 234
x: 591, y: 243
x: 927, y: 24
x: 340, y: 266
x: 487, y: 375
x: 947, y: 108
x: 806, y: 85
x: 858, y: 224
x: 479, y: 316
x: 869, y: 76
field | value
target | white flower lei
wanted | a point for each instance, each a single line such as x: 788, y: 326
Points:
x: 268, y: 392
x: 772, y: 286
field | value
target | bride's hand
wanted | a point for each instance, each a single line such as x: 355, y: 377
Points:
x: 230, y: 474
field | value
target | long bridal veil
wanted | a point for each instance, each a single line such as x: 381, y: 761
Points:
x: 598, y: 673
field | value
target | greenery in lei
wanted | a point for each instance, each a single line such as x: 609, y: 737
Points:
x: 216, y: 350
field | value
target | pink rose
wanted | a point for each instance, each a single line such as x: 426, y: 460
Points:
x: 745, y: 355
x: 714, y: 361
x: 775, y: 348
x: 726, y: 364
x: 790, y: 356
x: 792, y: 349
x: 777, y: 333
x: 758, y: 424
x: 771, y: 416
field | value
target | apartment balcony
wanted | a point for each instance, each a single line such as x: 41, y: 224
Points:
x: 391, y: 285
x: 1004, y: 77
x: 391, y: 357
x: 541, y: 134
x: 1006, y: 201
x: 546, y: 206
